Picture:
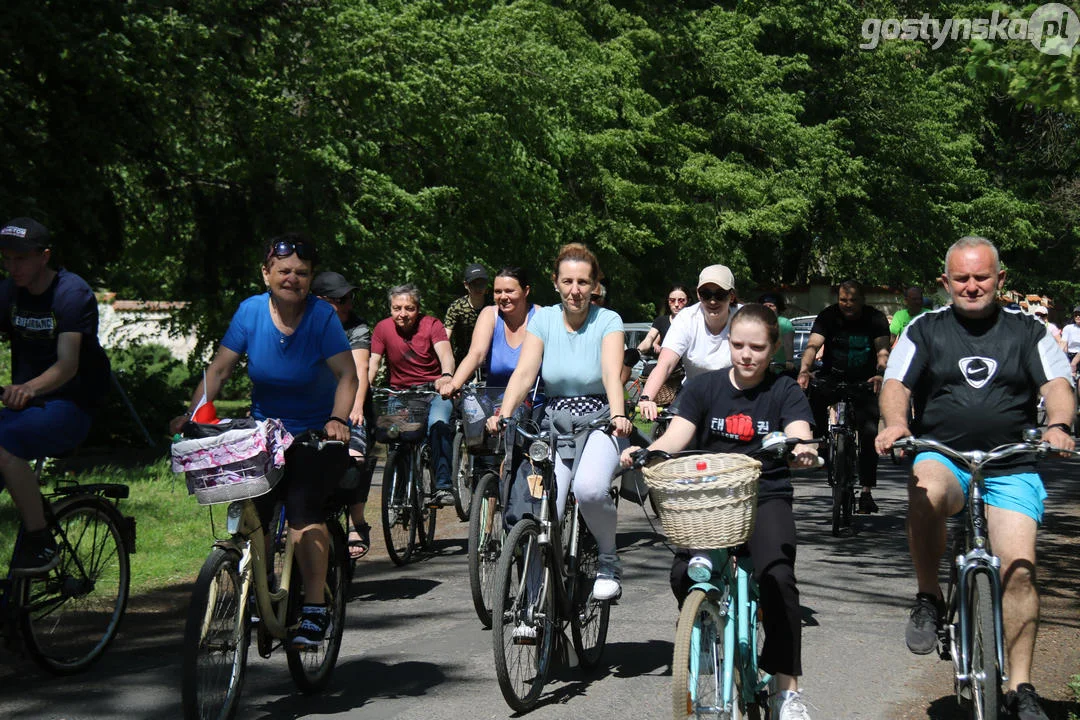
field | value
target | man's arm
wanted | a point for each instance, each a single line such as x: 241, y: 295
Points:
x: 815, y: 342
x: 894, y: 402
x: 55, y: 376
x: 1060, y: 411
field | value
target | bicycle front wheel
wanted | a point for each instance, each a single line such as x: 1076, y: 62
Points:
x: 838, y: 479
x: 985, y: 674
x: 311, y: 667
x: 71, y: 615
x: 589, y: 622
x: 523, y: 616
x: 216, y: 638
x: 462, y: 469
x: 696, y: 668
x: 399, y: 527
x: 485, y: 544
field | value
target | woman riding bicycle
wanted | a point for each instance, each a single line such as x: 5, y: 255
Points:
x: 698, y: 335
x: 579, y: 347
x: 731, y: 410
x: 676, y: 300
x: 417, y: 352
x: 302, y: 373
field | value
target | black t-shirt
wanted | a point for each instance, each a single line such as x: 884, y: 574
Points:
x: 730, y: 420
x: 849, y: 344
x: 34, y: 322
x: 975, y: 383
x: 662, y: 324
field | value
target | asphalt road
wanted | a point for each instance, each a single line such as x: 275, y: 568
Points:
x: 414, y: 649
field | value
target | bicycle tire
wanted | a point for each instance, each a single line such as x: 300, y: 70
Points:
x: 399, y: 526
x: 838, y: 469
x: 461, y: 466
x: 697, y: 660
x: 423, y: 488
x: 485, y: 543
x: 590, y: 617
x: 70, y: 616
x: 985, y: 674
x: 216, y: 638
x: 522, y: 669
x: 311, y: 669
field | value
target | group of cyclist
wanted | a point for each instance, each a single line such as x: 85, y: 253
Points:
x: 967, y: 374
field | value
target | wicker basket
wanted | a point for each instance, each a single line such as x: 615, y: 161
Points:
x: 706, y: 501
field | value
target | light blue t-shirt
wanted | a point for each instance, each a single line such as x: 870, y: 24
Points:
x: 571, y: 364
x: 289, y: 375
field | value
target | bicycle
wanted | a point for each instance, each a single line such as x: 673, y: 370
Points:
x: 972, y: 634
x: 707, y: 502
x: 408, y: 519
x: 67, y: 618
x: 470, y: 441
x: 234, y: 584
x: 544, y: 581
x: 843, y: 444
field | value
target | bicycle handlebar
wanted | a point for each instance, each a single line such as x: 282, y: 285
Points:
x: 977, y: 459
x: 778, y: 447
x: 316, y: 439
x: 546, y: 435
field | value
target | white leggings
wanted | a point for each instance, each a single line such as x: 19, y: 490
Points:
x: 592, y: 483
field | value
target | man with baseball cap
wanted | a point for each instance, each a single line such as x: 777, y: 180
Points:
x: 462, y: 314
x: 59, y: 374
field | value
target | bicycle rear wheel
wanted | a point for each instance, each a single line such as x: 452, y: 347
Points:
x: 462, y: 467
x: 523, y: 615
x: 216, y: 638
x: 985, y: 674
x: 311, y: 667
x: 589, y: 621
x: 399, y: 526
x: 696, y: 668
x: 71, y: 615
x: 424, y: 487
x: 485, y: 544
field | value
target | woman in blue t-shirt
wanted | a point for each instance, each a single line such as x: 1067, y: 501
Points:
x: 302, y: 373
x: 579, y: 347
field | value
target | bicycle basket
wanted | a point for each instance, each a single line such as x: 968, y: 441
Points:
x: 476, y: 407
x: 706, y: 501
x: 400, y: 418
x: 235, y: 464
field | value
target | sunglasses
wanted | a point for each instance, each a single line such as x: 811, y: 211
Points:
x: 284, y: 248
x: 707, y: 295
x: 677, y: 301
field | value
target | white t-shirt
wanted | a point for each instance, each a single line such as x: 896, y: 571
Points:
x: 1070, y: 334
x: 700, y: 350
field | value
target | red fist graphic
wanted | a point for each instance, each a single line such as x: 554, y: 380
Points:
x: 740, y: 426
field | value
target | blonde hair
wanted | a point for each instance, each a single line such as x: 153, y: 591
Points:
x: 577, y: 252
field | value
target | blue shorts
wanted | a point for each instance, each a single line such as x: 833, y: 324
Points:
x: 36, y: 432
x: 1023, y: 492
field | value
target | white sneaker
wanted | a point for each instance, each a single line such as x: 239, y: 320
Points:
x: 791, y: 706
x: 607, y: 585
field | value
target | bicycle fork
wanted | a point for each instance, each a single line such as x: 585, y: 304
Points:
x: 967, y: 567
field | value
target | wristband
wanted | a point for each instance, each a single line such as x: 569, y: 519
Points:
x: 614, y: 417
x: 1065, y: 427
x: 334, y: 418
x: 447, y: 375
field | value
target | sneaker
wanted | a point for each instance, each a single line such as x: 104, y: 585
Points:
x: 607, y: 585
x: 524, y: 634
x: 1024, y: 703
x: 923, y: 624
x: 789, y: 706
x: 309, y: 634
x: 38, y: 555
x: 866, y: 503
x: 442, y: 498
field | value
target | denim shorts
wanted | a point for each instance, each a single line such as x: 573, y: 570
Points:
x: 1023, y: 492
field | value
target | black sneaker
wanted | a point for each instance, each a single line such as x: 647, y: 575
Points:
x: 923, y: 624
x: 38, y: 555
x: 866, y: 503
x: 1024, y: 703
x: 314, y: 621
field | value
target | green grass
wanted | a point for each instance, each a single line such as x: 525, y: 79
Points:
x: 1074, y: 685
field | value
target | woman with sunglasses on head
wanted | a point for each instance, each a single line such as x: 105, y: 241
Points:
x: 677, y: 297
x: 417, y: 351
x: 302, y: 373
x: 698, y: 335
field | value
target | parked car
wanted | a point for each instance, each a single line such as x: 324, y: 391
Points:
x: 802, y: 326
x: 635, y: 332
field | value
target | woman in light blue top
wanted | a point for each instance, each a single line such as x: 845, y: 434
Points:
x: 579, y: 348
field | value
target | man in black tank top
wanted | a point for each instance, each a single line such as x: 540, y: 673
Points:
x: 975, y: 372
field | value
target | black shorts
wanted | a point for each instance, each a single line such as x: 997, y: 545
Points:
x: 311, y: 479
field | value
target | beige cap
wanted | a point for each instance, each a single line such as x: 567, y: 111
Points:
x: 717, y: 275
x: 1040, y: 310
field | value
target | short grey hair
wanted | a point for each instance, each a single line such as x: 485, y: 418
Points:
x: 409, y: 289
x: 972, y: 241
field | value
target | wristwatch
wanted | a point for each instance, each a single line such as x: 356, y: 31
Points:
x: 644, y: 398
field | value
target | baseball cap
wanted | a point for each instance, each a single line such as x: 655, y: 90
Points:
x: 24, y: 234
x: 717, y: 275
x: 475, y: 271
x: 1040, y: 310
x: 331, y: 284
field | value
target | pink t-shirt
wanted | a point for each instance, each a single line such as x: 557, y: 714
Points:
x: 411, y: 359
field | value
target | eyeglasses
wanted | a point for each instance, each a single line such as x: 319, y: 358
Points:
x: 677, y: 301
x: 707, y: 295
x: 284, y: 248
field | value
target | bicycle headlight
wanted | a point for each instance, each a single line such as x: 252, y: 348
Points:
x: 393, y: 432
x: 539, y: 451
x: 232, y: 519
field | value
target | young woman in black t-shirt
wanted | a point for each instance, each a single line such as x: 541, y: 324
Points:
x: 731, y: 410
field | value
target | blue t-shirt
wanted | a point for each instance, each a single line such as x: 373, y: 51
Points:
x: 571, y: 365
x: 289, y: 375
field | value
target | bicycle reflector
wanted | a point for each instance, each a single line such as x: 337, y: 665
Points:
x: 538, y: 451
x: 232, y: 520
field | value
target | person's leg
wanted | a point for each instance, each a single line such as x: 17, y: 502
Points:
x: 868, y: 415
x: 440, y: 436
x: 1012, y: 536
x: 773, y: 549
x: 22, y: 483
x: 592, y: 488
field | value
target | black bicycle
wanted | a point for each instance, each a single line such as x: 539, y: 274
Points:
x: 843, y: 444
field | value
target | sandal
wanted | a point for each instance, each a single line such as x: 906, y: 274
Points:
x: 359, y: 541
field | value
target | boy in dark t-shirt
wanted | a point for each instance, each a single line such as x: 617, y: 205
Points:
x: 58, y: 370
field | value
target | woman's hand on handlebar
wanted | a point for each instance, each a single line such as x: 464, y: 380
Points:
x: 492, y: 425
x: 622, y: 426
x: 626, y: 459
x: 803, y: 456
x: 648, y: 410
x: 336, y: 431
x: 447, y: 389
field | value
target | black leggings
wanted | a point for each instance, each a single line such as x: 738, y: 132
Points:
x: 772, y: 548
